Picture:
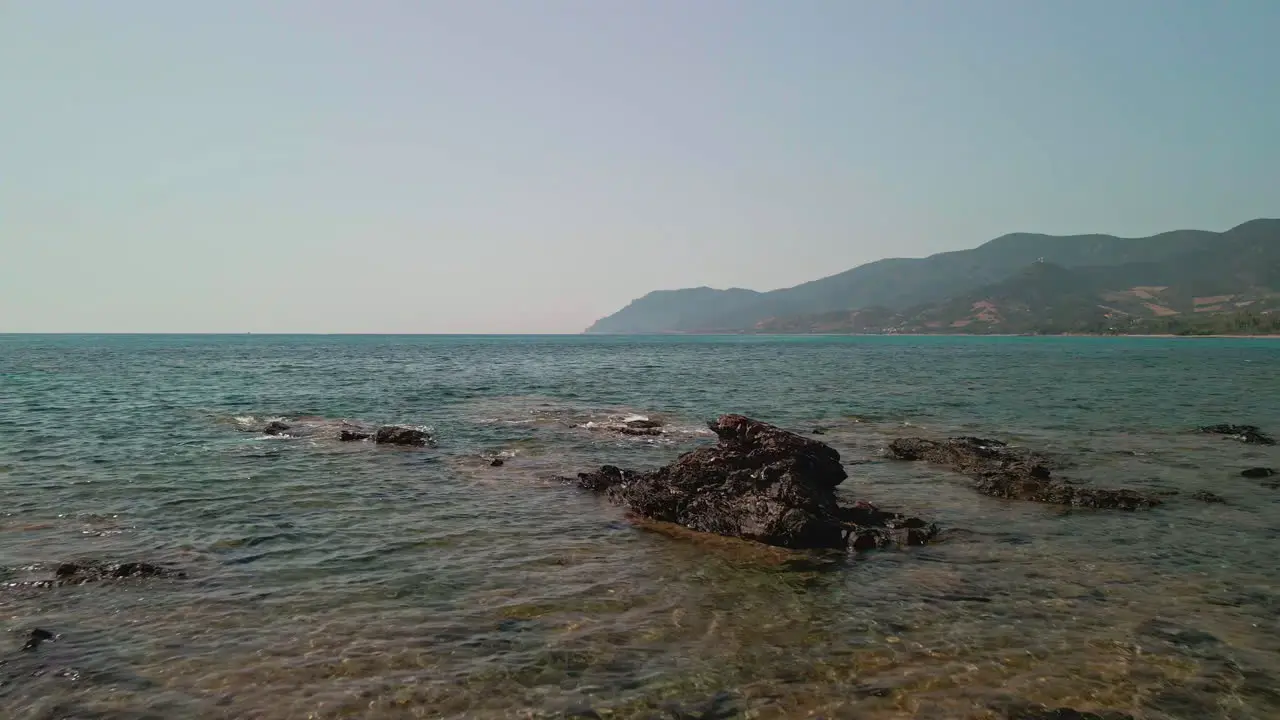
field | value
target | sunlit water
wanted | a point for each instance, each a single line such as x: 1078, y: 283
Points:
x: 331, y: 579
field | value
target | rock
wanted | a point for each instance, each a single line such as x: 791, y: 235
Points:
x: 77, y: 573
x: 759, y: 483
x: 497, y: 462
x: 80, y: 573
x: 275, y: 427
x: 819, y: 431
x: 353, y: 435
x: 401, y: 435
x: 642, y: 431
x: 1003, y: 472
x: 643, y: 424
x: 1257, y: 472
x: 1244, y: 433
x: 37, y: 637
x: 1208, y: 497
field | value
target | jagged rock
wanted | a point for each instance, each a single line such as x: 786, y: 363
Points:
x: 36, y: 638
x: 760, y: 483
x: 401, y: 435
x: 1257, y: 472
x: 353, y: 435
x: 1208, y: 497
x: 275, y: 427
x: 1244, y: 433
x: 1001, y: 471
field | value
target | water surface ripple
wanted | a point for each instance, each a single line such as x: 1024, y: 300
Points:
x: 329, y: 580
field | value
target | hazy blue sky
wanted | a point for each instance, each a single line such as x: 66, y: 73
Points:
x: 485, y: 166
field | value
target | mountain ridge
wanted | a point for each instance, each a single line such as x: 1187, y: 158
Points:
x: 897, y: 285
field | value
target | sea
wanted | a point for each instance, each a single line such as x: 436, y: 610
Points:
x: 327, y: 579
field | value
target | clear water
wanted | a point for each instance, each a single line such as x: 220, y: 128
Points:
x: 334, y: 580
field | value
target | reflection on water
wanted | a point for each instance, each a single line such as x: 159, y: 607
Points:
x: 331, y: 579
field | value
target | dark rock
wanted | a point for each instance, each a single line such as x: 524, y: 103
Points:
x: 77, y: 573
x: 760, y: 483
x: 497, y: 462
x: 401, y: 435
x: 1208, y: 497
x: 80, y: 573
x: 645, y: 424
x: 37, y: 637
x: 819, y: 431
x: 1244, y: 433
x: 1001, y: 471
x: 1257, y: 472
x: 353, y: 435
x: 275, y: 427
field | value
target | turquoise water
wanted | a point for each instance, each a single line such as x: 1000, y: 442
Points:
x: 334, y: 579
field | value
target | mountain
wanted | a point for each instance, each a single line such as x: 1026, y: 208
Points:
x: 1067, y: 273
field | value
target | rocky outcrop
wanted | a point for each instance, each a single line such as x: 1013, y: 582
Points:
x: 401, y: 435
x: 1257, y: 472
x: 1251, y: 434
x: 351, y: 435
x: 759, y: 483
x: 1001, y: 471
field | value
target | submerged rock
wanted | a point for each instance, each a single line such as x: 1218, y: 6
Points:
x: 1208, y: 497
x: 1042, y: 712
x: 347, y: 435
x: 497, y: 462
x: 643, y: 424
x: 80, y: 573
x: 759, y: 483
x: 1244, y: 433
x: 1257, y: 472
x: 36, y: 638
x: 1000, y: 471
x: 90, y: 572
x: 401, y: 435
x: 275, y: 427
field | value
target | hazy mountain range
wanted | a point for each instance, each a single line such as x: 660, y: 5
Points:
x: 1013, y: 284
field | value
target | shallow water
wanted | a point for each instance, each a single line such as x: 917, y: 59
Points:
x: 331, y: 579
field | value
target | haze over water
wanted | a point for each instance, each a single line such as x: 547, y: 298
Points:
x: 331, y: 579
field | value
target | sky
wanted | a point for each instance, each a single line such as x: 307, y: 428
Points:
x: 527, y: 166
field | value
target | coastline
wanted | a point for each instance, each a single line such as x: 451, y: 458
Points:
x: 1271, y: 336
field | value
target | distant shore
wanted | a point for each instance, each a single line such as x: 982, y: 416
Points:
x: 1271, y: 336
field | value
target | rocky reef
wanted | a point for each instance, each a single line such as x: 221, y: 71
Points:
x: 1001, y: 471
x: 759, y: 483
